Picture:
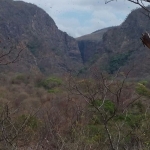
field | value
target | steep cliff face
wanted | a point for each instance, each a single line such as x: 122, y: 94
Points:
x: 91, y: 45
x: 121, y: 47
x: 124, y: 47
x: 46, y: 48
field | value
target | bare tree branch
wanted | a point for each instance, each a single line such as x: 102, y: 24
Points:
x: 8, y: 51
x: 137, y: 2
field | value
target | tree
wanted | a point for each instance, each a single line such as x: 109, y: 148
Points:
x: 10, y: 128
x: 138, y: 2
x: 16, y: 129
x: 116, y: 112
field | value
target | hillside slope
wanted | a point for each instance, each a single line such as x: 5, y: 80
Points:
x: 91, y: 45
x: 46, y: 48
x: 121, y: 47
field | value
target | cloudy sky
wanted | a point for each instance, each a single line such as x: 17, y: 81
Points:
x: 80, y: 17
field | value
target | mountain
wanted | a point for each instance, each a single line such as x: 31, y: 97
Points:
x: 46, y: 49
x: 90, y: 45
x: 120, y: 46
x: 94, y: 36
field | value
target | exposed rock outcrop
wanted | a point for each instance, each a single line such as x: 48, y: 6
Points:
x: 91, y: 45
x: 121, y: 47
x: 46, y: 48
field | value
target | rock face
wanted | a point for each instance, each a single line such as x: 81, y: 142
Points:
x: 46, y: 49
x: 91, y: 45
x: 121, y: 47
x: 123, y: 44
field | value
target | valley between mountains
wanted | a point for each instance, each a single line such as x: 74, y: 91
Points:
x: 63, y: 93
x: 48, y: 50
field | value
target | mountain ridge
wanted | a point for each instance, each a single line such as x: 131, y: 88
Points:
x: 121, y: 47
x: 46, y: 48
x: 49, y: 51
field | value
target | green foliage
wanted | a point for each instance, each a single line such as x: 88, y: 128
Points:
x: 134, y: 115
x: 96, y: 133
x: 107, y: 105
x: 54, y: 90
x: 134, y: 120
x: 144, y: 82
x: 141, y: 89
x: 20, y: 78
x: 32, y: 122
x: 117, y: 61
x: 138, y: 107
x: 50, y: 83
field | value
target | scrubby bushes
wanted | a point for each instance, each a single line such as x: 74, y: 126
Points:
x: 86, y: 114
x: 117, y: 61
x: 51, y: 84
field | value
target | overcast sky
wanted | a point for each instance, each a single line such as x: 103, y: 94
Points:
x: 80, y: 17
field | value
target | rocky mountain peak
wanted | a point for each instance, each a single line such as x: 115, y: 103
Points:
x: 51, y: 49
x: 121, y: 47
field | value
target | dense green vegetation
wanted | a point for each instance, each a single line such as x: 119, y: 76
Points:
x: 117, y: 61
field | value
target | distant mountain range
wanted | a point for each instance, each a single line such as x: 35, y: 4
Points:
x: 48, y: 50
